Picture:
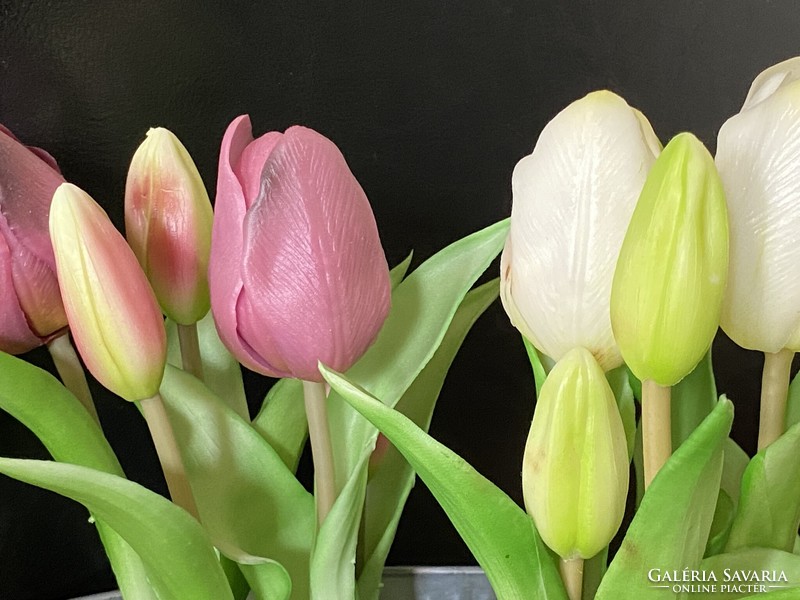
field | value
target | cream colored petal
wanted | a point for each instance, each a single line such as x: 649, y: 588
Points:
x: 771, y: 80
x: 573, y: 199
x: 757, y: 157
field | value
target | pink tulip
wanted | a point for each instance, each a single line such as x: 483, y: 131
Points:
x: 31, y: 312
x: 297, y: 273
x: 113, y: 314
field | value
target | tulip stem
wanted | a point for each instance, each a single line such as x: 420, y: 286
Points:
x: 168, y: 454
x: 774, y: 391
x: 656, y: 428
x: 321, y: 448
x: 71, y: 372
x: 190, y: 350
x: 572, y: 575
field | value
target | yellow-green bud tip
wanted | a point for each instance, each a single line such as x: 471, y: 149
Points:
x: 672, y: 270
x: 575, y: 468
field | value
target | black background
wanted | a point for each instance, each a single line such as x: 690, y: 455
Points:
x: 432, y: 104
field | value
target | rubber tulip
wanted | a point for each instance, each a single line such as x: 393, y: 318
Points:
x: 32, y: 311
x: 168, y: 225
x: 297, y: 272
x: 113, y: 315
x: 573, y: 199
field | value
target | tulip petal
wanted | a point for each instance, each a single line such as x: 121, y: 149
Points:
x: 16, y: 336
x: 26, y: 188
x: 225, y: 262
x: 313, y: 263
x: 113, y: 315
x: 251, y: 165
x: 573, y: 199
x: 757, y: 154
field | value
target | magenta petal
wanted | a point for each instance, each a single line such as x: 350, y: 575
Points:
x: 26, y: 189
x: 251, y: 164
x: 15, y: 335
x: 313, y: 264
x: 225, y: 261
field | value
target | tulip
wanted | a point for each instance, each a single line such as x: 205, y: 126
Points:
x: 573, y: 199
x: 112, y: 312
x: 168, y: 225
x: 757, y: 152
x: 297, y: 273
x: 575, y: 467
x: 670, y: 277
x: 32, y: 311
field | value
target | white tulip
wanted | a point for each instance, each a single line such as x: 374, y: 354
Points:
x: 758, y: 157
x: 573, y: 200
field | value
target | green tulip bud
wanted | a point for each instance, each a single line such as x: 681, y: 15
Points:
x: 575, y: 468
x: 671, y: 273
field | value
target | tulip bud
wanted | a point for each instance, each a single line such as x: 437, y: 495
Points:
x: 757, y: 158
x: 112, y: 312
x: 671, y: 274
x: 168, y: 225
x: 575, y: 468
x: 573, y: 199
x: 32, y: 311
x: 297, y: 272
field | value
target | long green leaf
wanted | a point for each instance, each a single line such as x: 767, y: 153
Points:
x: 769, y: 505
x: 751, y: 560
x: 221, y: 371
x: 59, y: 420
x: 422, y: 307
x: 392, y: 478
x: 282, y: 420
x: 671, y: 527
x: 177, y: 552
x: 249, y: 501
x: 497, y: 531
x: 693, y: 399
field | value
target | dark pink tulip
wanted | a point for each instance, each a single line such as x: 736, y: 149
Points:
x: 31, y: 310
x: 297, y: 271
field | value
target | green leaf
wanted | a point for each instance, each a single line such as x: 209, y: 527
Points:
x: 693, y: 399
x: 422, y: 307
x: 537, y: 364
x: 268, y: 579
x: 618, y: 380
x: 671, y: 527
x: 41, y: 403
x: 398, y: 273
x: 391, y: 480
x: 221, y: 370
x: 176, y: 551
x: 749, y: 560
x: 500, y: 535
x: 282, y: 421
x: 721, y: 525
x: 594, y: 569
x: 769, y: 505
x: 249, y: 501
x: 793, y: 403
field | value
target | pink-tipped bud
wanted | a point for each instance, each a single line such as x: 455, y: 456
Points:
x: 168, y: 225
x: 31, y: 311
x: 297, y: 271
x: 112, y: 312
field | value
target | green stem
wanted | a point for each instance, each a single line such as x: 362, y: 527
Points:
x: 319, y: 433
x: 168, y: 453
x: 71, y: 372
x: 656, y: 428
x: 774, y: 390
x: 572, y: 574
x: 190, y: 350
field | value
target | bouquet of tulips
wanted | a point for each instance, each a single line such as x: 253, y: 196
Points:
x: 620, y: 261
